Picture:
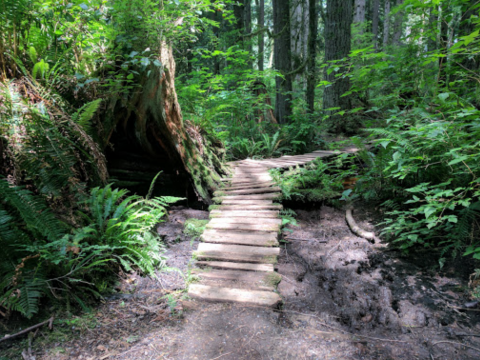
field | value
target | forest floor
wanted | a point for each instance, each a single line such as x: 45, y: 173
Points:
x: 343, y: 299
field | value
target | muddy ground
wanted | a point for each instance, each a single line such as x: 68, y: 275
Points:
x: 344, y: 298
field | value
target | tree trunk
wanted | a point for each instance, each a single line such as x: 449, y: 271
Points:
x: 282, y: 60
x: 397, y: 26
x: 443, y: 46
x: 337, y: 46
x: 299, y: 35
x: 432, y: 30
x: 386, y: 25
x: 155, y: 115
x: 261, y: 38
x: 359, y: 14
x: 243, y: 16
x: 375, y: 15
x: 312, y: 52
x: 264, y: 104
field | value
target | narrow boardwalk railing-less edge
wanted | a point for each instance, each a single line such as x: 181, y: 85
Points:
x: 239, y: 247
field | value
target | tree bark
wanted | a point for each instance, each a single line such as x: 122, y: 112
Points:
x: 159, y: 126
x: 432, y: 30
x: 375, y: 15
x: 282, y: 60
x: 264, y: 104
x: 261, y: 38
x: 312, y: 51
x: 386, y: 25
x: 337, y: 47
x: 397, y: 26
x: 243, y: 15
x: 359, y: 14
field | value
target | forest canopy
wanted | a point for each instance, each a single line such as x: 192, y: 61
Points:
x: 112, y: 110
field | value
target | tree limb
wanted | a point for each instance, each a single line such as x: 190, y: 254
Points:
x: 357, y: 230
x: 49, y: 322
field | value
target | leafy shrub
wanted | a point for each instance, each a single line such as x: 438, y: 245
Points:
x: 44, y: 257
x: 317, y: 181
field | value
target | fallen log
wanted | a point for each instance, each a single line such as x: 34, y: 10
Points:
x: 357, y: 230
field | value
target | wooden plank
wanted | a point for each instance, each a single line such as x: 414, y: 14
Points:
x: 269, y: 196
x: 260, y: 280
x: 245, y: 220
x: 243, y: 206
x: 262, y: 190
x: 250, y: 297
x: 235, y: 257
x: 244, y: 227
x: 238, y: 249
x: 252, y: 185
x: 236, y: 266
x: 267, y: 239
x: 244, y: 213
x: 244, y: 202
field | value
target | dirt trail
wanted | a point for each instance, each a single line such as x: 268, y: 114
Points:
x: 344, y: 299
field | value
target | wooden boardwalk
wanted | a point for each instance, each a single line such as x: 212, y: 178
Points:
x: 239, y: 247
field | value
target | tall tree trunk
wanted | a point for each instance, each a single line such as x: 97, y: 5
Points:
x: 156, y: 116
x: 282, y: 60
x: 443, y: 46
x: 299, y: 35
x: 432, y: 30
x: 359, y: 13
x: 261, y: 39
x: 243, y: 16
x: 397, y: 26
x: 375, y: 16
x: 337, y: 46
x: 386, y: 25
x: 312, y: 52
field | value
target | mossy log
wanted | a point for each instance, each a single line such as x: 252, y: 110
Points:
x: 159, y: 126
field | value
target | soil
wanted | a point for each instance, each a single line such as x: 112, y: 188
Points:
x: 344, y: 298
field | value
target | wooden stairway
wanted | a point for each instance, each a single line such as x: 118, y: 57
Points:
x: 240, y: 244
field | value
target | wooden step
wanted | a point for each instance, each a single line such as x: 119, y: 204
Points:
x: 269, y: 196
x: 250, y: 297
x: 239, y: 249
x: 236, y: 266
x: 245, y: 202
x: 245, y: 220
x: 253, y: 185
x: 262, y: 190
x: 243, y: 227
x: 243, y: 206
x: 240, y: 237
x: 236, y: 257
x: 254, y: 280
x: 244, y: 213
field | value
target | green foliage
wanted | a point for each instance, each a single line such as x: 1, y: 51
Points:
x: 193, y: 228
x: 317, y: 181
x: 44, y: 257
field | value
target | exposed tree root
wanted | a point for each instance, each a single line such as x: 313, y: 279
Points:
x: 357, y: 230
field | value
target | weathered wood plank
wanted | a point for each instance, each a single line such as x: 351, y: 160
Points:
x: 236, y: 266
x: 236, y: 257
x: 250, y: 297
x: 245, y: 220
x: 244, y: 213
x: 239, y: 249
x: 244, y: 227
x: 268, y: 239
x: 262, y: 190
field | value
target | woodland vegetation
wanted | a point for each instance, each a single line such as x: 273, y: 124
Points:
x: 97, y: 97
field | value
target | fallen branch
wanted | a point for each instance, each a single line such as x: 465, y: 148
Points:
x: 49, y: 322
x: 357, y: 230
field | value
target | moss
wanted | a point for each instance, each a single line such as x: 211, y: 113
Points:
x: 217, y: 200
x: 272, y: 279
x: 271, y: 243
x: 194, y: 227
x: 213, y: 207
x: 271, y: 259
